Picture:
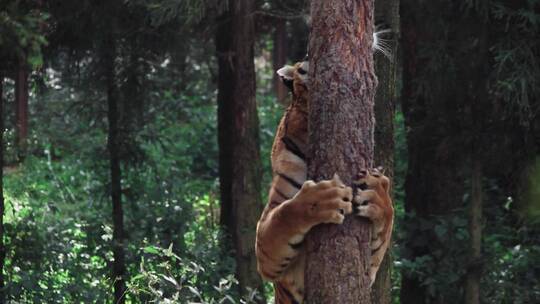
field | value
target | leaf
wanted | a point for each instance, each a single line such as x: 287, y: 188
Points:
x: 170, y: 280
x: 194, y: 291
x: 151, y: 250
x: 440, y: 230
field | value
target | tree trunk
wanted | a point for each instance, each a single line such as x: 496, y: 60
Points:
x: 2, y: 248
x: 134, y: 95
x: 472, y: 284
x: 21, y: 108
x: 387, y: 13
x: 238, y: 136
x: 280, y: 56
x: 341, y: 124
x: 119, y: 268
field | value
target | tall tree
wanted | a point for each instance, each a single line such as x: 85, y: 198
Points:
x: 21, y: 106
x: 386, y: 65
x: 2, y: 247
x: 279, y: 55
x: 238, y: 137
x: 341, y: 126
x: 119, y: 268
x: 474, y: 271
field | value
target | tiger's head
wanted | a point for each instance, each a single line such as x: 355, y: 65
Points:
x: 296, y: 79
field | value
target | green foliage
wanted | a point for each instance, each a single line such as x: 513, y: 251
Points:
x: 55, y: 251
x: 517, y: 68
x: 510, y: 276
x: 165, y: 277
x: 188, y: 12
x: 508, y: 273
x: 59, y: 229
x: 20, y: 34
x: 442, y: 269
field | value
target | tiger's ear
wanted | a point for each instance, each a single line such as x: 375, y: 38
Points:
x: 286, y: 74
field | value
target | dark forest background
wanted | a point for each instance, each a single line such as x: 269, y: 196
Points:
x: 113, y: 147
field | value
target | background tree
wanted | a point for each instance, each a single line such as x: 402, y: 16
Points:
x: 342, y: 89
x: 21, y: 109
x: 279, y: 55
x: 21, y: 42
x: 113, y: 145
x: 20, y: 46
x: 238, y: 124
x: 457, y: 127
x: 386, y: 68
x: 436, y: 160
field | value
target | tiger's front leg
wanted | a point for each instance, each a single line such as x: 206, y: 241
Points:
x: 281, y: 230
x: 373, y: 201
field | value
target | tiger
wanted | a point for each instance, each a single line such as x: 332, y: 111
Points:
x: 296, y: 204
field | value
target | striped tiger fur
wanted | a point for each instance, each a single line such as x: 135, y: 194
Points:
x: 295, y: 204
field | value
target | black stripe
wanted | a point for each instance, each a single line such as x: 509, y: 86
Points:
x: 287, y: 293
x: 296, y: 246
x: 291, y: 146
x: 376, y: 249
x: 281, y: 193
x: 269, y: 257
x: 290, y: 180
x: 273, y: 204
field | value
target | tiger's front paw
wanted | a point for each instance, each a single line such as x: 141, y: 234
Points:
x: 372, y: 194
x: 324, y: 202
x: 365, y: 205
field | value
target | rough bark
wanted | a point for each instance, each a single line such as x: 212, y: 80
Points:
x: 341, y: 124
x: 21, y: 108
x: 238, y: 137
x: 119, y: 268
x: 2, y: 248
x: 472, y: 283
x: 280, y: 56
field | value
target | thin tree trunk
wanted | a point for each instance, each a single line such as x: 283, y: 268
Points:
x: 341, y: 124
x: 238, y: 136
x: 2, y: 247
x: 280, y: 56
x: 119, y: 268
x: 134, y: 95
x: 21, y: 108
x: 472, y: 283
x: 387, y: 13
